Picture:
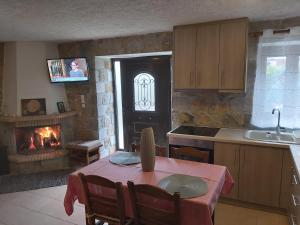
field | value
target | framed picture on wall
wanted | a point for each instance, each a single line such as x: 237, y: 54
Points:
x: 33, y: 107
x: 61, y: 107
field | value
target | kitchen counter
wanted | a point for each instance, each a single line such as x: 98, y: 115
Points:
x: 230, y: 135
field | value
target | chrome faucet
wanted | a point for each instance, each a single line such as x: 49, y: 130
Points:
x: 278, y: 122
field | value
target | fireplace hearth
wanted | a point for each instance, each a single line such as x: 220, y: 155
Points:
x: 37, y: 140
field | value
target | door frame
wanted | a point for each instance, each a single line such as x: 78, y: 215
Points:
x: 113, y: 60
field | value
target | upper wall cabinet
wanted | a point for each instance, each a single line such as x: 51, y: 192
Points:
x: 233, y: 55
x: 211, y: 55
x: 185, y: 44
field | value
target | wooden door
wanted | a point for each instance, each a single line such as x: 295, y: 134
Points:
x: 207, y: 56
x: 233, y: 51
x: 146, y: 97
x: 184, y: 57
x: 260, y: 175
x: 226, y: 154
x: 285, y: 195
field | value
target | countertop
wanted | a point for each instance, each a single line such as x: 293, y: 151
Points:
x: 231, y: 135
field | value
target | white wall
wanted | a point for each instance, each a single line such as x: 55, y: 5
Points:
x: 32, y: 79
x: 9, y: 79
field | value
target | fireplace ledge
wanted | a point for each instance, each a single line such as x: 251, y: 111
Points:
x: 17, y: 119
x: 17, y: 158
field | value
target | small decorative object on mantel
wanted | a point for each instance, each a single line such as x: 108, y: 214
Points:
x: 61, y: 107
x: 33, y: 107
x: 147, y: 149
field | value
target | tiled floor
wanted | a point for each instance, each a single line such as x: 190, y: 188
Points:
x: 45, y: 206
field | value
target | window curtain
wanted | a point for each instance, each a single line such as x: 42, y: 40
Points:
x: 277, y: 81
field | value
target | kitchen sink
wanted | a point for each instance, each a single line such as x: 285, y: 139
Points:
x: 272, y: 136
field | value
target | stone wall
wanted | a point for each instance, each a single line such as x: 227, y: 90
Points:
x: 1, y: 73
x: 89, y: 123
x: 105, y: 105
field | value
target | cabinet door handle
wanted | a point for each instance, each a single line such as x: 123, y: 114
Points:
x: 235, y: 157
x: 244, y: 159
x: 294, y: 180
x: 197, y: 79
x: 293, y: 219
x: 295, y: 200
x: 191, y: 83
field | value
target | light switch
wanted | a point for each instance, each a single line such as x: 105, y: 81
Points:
x: 82, y: 98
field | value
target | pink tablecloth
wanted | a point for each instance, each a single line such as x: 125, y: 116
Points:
x: 195, y: 211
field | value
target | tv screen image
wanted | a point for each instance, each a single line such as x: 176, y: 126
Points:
x: 68, y: 70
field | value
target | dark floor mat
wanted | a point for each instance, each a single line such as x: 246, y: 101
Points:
x: 25, y: 182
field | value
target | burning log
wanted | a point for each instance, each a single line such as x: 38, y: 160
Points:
x: 38, y: 141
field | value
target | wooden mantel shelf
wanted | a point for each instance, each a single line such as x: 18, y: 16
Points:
x: 17, y: 119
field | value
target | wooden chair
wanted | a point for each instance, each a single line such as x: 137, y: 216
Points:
x: 159, y: 150
x: 190, y: 153
x: 150, y: 214
x: 104, y: 208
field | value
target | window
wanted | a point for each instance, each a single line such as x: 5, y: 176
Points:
x: 119, y: 108
x: 144, y: 92
x: 277, y: 82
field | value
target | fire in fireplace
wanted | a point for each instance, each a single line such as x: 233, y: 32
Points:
x: 32, y: 140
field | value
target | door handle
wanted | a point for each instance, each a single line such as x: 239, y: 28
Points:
x: 295, y: 200
x: 191, y: 82
x: 293, y: 219
x: 234, y: 163
x: 244, y: 158
x: 294, y: 179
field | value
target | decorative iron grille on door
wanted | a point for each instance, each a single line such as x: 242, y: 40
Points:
x: 144, y: 92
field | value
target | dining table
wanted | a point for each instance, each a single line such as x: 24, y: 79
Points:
x: 194, y: 211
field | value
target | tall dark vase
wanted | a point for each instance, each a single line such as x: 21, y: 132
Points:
x: 147, y: 150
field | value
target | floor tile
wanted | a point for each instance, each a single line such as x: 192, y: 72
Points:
x: 11, y: 214
x: 233, y: 215
x: 45, y: 206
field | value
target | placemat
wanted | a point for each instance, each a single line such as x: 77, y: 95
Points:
x: 187, y: 186
x: 125, y: 158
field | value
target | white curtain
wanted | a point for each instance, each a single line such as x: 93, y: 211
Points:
x: 277, y: 82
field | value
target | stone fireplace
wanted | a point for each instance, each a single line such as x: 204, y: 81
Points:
x: 37, y: 140
x: 36, y: 143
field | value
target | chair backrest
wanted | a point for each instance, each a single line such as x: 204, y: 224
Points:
x: 159, y: 150
x: 151, y: 212
x: 190, y: 153
x: 109, y: 205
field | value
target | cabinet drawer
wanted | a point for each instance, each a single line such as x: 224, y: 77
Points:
x: 294, y: 200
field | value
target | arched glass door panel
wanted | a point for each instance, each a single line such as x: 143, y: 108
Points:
x: 144, y: 92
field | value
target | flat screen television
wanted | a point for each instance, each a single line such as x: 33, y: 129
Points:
x: 68, y: 70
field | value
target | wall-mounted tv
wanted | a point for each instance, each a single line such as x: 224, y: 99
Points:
x: 68, y: 70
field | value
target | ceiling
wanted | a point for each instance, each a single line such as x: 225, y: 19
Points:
x: 65, y: 20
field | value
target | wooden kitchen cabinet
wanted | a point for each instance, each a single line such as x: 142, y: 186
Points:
x: 287, y: 171
x: 227, y: 154
x: 207, y: 56
x: 185, y: 57
x: 260, y: 175
x: 211, y: 55
x: 233, y: 52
